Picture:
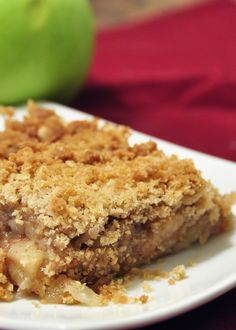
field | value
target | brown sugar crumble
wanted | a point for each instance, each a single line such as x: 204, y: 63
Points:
x: 79, y: 207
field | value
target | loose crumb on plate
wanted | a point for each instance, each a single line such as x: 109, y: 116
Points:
x: 178, y: 273
x: 146, y: 287
x: 36, y: 304
x: 191, y: 263
x: 116, y: 291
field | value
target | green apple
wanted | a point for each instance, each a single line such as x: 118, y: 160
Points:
x: 45, y: 48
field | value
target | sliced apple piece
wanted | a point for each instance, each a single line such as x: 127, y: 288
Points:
x: 81, y: 293
x: 24, y: 260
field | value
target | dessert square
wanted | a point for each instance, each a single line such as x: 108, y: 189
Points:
x: 79, y: 206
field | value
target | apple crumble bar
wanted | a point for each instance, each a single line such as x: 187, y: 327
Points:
x: 80, y: 206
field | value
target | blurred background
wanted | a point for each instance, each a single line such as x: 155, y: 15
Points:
x: 167, y: 68
x: 115, y: 12
x: 164, y: 67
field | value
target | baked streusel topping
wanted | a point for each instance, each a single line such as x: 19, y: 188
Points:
x: 80, y: 206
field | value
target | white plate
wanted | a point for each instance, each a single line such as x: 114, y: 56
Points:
x: 214, y: 274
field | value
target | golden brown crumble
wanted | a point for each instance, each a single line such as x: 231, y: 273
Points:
x: 88, y: 206
x: 116, y: 292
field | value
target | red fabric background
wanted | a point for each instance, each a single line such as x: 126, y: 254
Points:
x: 173, y: 77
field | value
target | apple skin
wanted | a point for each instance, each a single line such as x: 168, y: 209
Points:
x: 46, y: 48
